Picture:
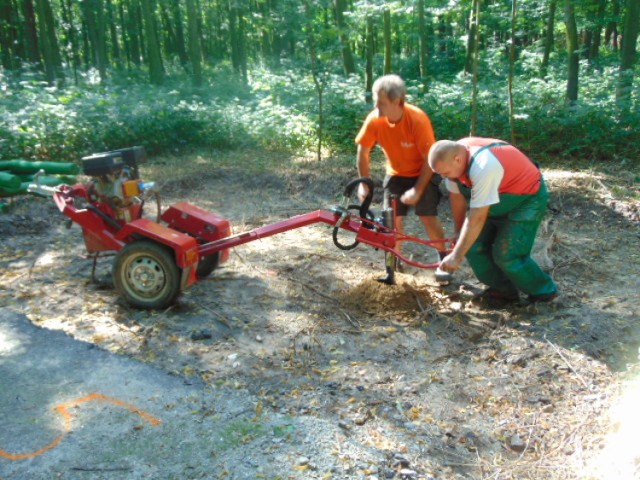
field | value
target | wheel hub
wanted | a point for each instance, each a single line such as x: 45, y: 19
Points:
x: 146, y: 276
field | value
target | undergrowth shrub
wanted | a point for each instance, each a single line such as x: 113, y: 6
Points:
x: 280, y: 110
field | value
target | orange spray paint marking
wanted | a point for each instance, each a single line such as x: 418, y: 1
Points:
x: 62, y: 409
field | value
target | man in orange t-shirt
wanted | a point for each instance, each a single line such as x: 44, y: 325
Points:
x: 405, y: 134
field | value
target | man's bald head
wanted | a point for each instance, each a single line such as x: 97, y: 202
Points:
x: 448, y: 158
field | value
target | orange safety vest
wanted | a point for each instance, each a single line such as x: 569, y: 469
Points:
x: 521, y: 175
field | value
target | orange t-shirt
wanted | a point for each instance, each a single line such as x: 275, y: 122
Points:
x: 405, y: 144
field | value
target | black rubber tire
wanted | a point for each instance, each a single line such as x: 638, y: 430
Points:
x: 146, y: 275
x: 207, y: 264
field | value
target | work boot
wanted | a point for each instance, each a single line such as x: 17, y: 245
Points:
x: 544, y: 297
x: 494, y: 298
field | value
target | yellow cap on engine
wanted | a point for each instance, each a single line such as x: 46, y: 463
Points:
x: 131, y: 188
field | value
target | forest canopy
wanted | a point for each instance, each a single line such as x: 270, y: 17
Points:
x: 556, y: 77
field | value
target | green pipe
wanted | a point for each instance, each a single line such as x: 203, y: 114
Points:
x: 50, y: 181
x: 8, y: 180
x: 26, y: 166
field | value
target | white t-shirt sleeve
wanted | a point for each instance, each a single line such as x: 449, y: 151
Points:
x: 486, y: 173
x: 451, y: 186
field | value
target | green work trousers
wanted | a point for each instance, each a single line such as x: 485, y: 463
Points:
x: 501, y: 256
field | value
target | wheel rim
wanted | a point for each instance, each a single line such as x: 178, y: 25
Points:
x: 145, y: 277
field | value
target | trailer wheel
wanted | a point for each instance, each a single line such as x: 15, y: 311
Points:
x: 207, y: 264
x: 146, y: 275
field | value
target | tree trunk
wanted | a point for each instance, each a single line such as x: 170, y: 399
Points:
x: 242, y: 46
x: 319, y: 85
x: 95, y: 28
x: 134, y: 29
x: 49, y: 42
x: 180, y: 40
x: 422, y: 35
x: 597, y: 29
x: 472, y: 37
x: 233, y: 36
x: 72, y: 35
x: 512, y: 59
x: 387, y: 41
x: 611, y: 32
x: 154, y: 59
x: 195, y: 53
x: 167, y: 32
x: 116, y: 53
x: 476, y: 43
x: 548, y: 38
x: 32, y: 47
x: 125, y: 38
x: 369, y: 60
x: 628, y: 58
x: 573, y: 57
x: 348, y: 63
x: 8, y: 36
x: 129, y: 33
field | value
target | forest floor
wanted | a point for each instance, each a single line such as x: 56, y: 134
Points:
x: 405, y: 381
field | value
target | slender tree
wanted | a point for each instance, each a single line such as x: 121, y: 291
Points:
x: 611, y: 30
x: 317, y: 82
x: 548, y: 37
x: 116, y: 53
x: 72, y: 36
x: 95, y: 29
x: 628, y: 58
x: 422, y: 35
x: 8, y: 35
x: 369, y: 59
x: 32, y: 46
x: 180, y: 38
x: 195, y: 52
x: 597, y: 29
x: 387, y: 40
x: 156, y: 68
x: 348, y: 63
x: 573, y: 54
x: 476, y: 43
x: 49, y: 42
x: 472, y: 37
x: 512, y: 60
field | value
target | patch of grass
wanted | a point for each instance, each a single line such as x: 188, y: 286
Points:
x: 240, y: 432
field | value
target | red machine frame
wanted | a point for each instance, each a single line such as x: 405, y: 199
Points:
x: 196, y: 241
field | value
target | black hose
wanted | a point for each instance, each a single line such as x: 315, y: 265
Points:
x: 113, y: 223
x: 348, y: 190
x: 363, y: 210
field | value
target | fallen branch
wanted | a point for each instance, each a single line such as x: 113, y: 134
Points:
x: 568, y: 364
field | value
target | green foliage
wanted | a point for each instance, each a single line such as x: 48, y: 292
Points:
x: 280, y: 110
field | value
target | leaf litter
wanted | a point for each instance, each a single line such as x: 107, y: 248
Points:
x: 446, y: 392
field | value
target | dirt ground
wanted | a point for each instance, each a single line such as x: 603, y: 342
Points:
x: 427, y: 383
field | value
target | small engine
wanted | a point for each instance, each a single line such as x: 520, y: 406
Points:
x: 115, y: 187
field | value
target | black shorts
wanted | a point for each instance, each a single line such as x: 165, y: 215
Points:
x: 427, y: 206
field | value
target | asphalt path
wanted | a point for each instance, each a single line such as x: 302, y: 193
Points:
x: 71, y: 410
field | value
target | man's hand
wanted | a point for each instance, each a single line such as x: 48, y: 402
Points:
x: 410, y: 197
x: 363, y: 191
x: 451, y: 263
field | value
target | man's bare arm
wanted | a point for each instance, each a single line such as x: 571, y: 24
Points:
x: 470, y: 232
x: 458, y: 210
x: 364, y: 169
x: 413, y: 195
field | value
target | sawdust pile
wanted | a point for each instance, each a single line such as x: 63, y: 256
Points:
x: 374, y: 297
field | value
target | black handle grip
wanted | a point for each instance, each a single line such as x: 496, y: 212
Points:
x: 348, y: 190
